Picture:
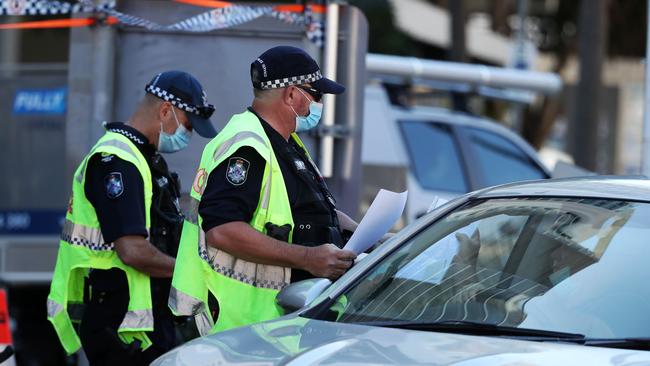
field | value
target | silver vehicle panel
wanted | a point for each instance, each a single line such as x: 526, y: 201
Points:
x: 298, y: 340
x: 277, y: 343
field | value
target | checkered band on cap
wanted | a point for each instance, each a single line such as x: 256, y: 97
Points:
x: 171, y: 98
x: 294, y: 80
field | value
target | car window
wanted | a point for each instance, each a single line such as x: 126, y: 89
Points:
x: 565, y: 264
x: 436, y: 162
x: 500, y: 160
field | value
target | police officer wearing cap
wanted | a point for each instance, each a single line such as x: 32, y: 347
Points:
x: 262, y: 216
x: 120, y: 239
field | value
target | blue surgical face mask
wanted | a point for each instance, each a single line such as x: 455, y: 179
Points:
x: 178, y: 141
x: 311, y: 120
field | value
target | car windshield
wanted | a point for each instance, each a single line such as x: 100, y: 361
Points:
x: 559, y: 264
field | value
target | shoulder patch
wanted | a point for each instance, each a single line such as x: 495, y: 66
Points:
x: 114, y: 185
x: 237, y: 171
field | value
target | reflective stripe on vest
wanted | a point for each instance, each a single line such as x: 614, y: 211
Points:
x: 53, y: 308
x: 85, y: 236
x: 188, y: 305
x: 137, y: 319
x: 91, y: 238
x: 114, y: 143
x: 82, y: 247
x: 133, y: 319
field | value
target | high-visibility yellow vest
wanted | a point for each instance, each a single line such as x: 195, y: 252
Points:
x: 244, y: 290
x: 82, y: 247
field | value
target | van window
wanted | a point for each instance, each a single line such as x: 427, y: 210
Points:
x: 500, y: 160
x: 434, y: 156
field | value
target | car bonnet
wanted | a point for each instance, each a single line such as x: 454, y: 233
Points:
x: 299, y: 341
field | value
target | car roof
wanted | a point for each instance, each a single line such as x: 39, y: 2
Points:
x: 453, y: 117
x: 632, y: 188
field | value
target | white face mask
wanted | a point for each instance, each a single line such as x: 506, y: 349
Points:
x: 178, y: 141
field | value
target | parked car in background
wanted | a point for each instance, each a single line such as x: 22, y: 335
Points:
x: 538, y: 273
x: 436, y: 152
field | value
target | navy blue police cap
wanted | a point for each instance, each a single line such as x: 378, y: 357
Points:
x: 283, y: 66
x: 184, y: 92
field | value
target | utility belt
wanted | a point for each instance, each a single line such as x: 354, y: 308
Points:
x: 311, y: 235
x: 166, y: 236
x: 166, y: 215
x: 166, y: 225
x: 307, y: 234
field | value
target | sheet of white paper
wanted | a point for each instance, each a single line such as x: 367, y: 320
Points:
x: 380, y: 217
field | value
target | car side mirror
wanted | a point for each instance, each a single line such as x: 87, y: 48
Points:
x: 298, y: 295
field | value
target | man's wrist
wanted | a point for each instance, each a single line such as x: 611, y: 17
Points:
x: 299, y: 256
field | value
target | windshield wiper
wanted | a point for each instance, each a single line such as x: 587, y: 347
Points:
x: 626, y: 343
x: 476, y: 328
x: 527, y: 334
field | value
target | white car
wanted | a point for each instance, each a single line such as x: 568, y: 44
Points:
x: 550, y: 272
x: 437, y: 152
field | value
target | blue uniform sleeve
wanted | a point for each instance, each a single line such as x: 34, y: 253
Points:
x: 115, y: 189
x: 233, y: 189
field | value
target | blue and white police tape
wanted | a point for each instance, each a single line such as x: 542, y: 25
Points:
x: 50, y: 7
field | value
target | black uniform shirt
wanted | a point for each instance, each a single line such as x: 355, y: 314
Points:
x: 229, y: 197
x: 115, y: 189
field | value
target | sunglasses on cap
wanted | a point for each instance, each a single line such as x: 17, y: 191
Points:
x: 205, y: 110
x: 317, y: 95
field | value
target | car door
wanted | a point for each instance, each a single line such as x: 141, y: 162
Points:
x: 437, y: 166
x: 494, y: 159
x: 449, y: 159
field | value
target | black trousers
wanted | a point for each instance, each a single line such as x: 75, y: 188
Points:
x: 98, y: 332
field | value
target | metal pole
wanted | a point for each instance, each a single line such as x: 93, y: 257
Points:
x: 91, y: 78
x: 585, y: 144
x: 331, y: 53
x: 455, y: 72
x: 522, y: 13
x: 103, y: 83
x: 520, y: 61
x: 9, y: 51
x: 457, y: 49
x: 645, y: 145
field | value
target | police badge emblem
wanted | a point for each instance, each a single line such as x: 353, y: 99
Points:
x: 114, y: 185
x: 237, y: 171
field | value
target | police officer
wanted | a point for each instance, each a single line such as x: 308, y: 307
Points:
x: 122, y: 229
x: 256, y: 195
